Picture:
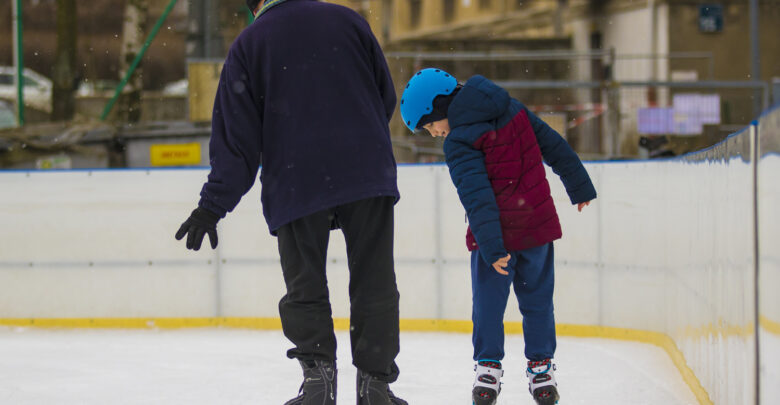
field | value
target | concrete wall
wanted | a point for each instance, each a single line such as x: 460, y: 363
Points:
x: 432, y: 17
x: 730, y: 47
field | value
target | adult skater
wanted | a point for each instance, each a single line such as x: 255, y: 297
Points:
x: 494, y: 148
x: 306, y: 93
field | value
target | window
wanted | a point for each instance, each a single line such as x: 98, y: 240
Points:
x: 7, y: 116
x: 415, y: 9
x: 29, y: 81
x: 449, y: 10
x: 8, y: 80
x: 387, y: 19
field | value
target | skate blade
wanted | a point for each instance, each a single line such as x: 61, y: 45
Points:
x: 546, y: 401
x: 483, y: 401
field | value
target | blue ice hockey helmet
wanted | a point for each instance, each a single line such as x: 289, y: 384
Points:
x: 422, y: 89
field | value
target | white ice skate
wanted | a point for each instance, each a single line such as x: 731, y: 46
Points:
x: 487, y: 382
x: 541, y: 381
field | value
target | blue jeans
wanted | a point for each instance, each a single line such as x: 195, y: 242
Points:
x: 532, y: 272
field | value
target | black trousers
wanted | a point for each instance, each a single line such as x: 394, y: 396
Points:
x: 305, y: 310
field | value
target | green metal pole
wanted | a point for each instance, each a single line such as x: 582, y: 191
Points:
x: 137, y: 60
x: 19, y: 51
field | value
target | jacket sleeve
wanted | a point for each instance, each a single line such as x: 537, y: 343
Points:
x: 235, y: 146
x: 557, y: 153
x: 467, y: 170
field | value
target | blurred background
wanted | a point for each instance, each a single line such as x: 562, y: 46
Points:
x: 108, y: 81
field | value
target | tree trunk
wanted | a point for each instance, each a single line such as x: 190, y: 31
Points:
x: 133, y: 35
x: 65, y: 78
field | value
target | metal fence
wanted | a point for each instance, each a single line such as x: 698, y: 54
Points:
x: 607, y: 106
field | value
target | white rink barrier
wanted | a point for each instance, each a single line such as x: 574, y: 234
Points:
x: 768, y: 192
x: 668, y: 247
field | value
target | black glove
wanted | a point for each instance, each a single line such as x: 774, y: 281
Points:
x: 200, y: 222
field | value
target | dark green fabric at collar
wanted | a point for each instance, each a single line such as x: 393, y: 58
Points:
x: 267, y: 5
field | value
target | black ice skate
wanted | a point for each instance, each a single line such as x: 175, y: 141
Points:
x: 487, y: 382
x: 319, y: 384
x: 375, y: 392
x: 541, y: 381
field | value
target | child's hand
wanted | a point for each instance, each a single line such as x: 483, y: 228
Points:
x: 580, y: 206
x: 500, y: 264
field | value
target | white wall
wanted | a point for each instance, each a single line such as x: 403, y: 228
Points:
x: 647, y: 255
x: 769, y: 256
x: 100, y: 244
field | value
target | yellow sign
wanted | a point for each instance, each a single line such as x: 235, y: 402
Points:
x: 175, y: 154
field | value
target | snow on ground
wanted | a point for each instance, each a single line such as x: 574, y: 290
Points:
x: 233, y: 366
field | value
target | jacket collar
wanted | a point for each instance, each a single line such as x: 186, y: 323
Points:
x: 479, y: 100
x: 268, y: 5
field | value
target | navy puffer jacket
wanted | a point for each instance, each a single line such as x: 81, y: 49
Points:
x: 494, y: 153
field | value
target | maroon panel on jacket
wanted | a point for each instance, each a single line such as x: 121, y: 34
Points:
x: 515, y: 168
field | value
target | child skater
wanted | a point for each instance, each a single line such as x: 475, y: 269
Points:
x: 494, y: 149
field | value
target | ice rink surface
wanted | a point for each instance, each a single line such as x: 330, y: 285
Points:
x: 770, y: 369
x: 234, y: 366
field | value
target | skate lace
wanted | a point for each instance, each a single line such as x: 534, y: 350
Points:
x: 365, y: 379
x: 489, y: 363
x: 318, y: 372
x: 541, y: 378
x: 535, y: 367
x: 365, y: 382
x: 488, y: 375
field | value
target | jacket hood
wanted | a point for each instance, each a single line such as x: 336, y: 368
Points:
x: 479, y: 100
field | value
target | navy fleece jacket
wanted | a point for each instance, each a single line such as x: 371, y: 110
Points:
x: 306, y: 93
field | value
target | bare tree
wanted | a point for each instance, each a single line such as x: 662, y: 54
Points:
x: 133, y: 35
